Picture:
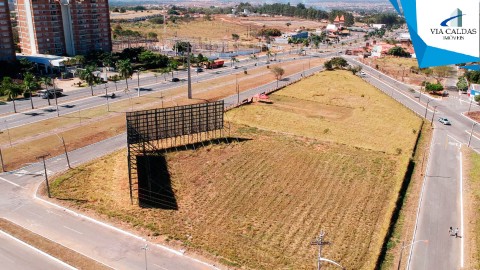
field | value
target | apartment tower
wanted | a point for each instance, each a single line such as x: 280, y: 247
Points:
x: 7, y: 49
x: 63, y: 27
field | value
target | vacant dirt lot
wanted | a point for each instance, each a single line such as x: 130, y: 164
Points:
x: 472, y: 170
x: 258, y: 203
x: 399, y: 68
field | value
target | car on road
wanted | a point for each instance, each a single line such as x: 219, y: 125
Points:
x: 50, y: 93
x: 361, y: 73
x: 199, y: 69
x: 175, y: 79
x: 444, y: 121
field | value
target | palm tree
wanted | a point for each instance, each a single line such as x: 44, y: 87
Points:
x: 88, y: 76
x: 125, y: 69
x: 46, y: 81
x: 29, y: 84
x: 11, y: 90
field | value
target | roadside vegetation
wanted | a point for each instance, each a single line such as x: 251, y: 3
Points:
x: 307, y: 162
x: 473, y: 210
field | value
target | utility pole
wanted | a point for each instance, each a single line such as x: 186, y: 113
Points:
x: 319, y: 242
x: 65, y: 149
x: 55, y: 94
x: 188, y: 72
x: 471, y: 134
x: 138, y: 82
x: 1, y: 159
x: 45, y: 170
x: 106, y: 95
x: 434, y: 110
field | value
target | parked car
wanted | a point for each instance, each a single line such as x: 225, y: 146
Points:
x: 444, y: 121
x: 175, y: 79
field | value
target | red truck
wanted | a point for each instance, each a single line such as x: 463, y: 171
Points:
x: 215, y: 64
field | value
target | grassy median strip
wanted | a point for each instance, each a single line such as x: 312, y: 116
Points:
x: 472, y: 208
x: 58, y: 251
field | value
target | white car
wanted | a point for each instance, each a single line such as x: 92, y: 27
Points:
x: 444, y: 121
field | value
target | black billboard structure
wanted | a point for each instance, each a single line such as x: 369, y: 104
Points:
x: 152, y: 133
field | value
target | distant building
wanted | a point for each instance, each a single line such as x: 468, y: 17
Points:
x: 339, y: 21
x: 63, y: 27
x: 7, y: 48
x: 474, y: 90
x: 378, y: 26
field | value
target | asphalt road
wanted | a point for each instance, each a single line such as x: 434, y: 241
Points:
x: 441, y: 200
x: 16, y: 255
x: 79, y: 100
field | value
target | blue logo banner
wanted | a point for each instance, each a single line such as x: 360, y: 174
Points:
x: 443, y: 32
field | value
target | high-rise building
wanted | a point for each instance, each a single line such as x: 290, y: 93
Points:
x: 7, y: 49
x: 63, y: 27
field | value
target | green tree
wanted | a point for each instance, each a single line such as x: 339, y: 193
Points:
x: 46, y: 81
x: 125, y: 69
x: 328, y: 65
x: 79, y: 59
x: 10, y: 90
x: 29, y: 84
x: 339, y: 62
x: 462, y: 84
x: 172, y: 66
x: 398, y: 51
x: 355, y: 69
x: 88, y: 76
x: 235, y: 37
x: 433, y: 87
x: 477, y: 98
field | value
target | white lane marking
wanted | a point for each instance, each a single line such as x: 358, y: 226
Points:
x: 38, y: 250
x: 421, y: 199
x: 68, y: 228
x: 20, y: 173
x: 10, y: 182
x: 35, y: 214
x: 53, y: 213
x: 159, y: 267
x: 461, y: 213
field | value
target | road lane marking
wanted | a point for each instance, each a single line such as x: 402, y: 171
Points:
x: 68, y: 228
x: 461, y: 212
x: 10, y: 182
x: 37, y: 250
x: 21, y: 173
x: 159, y: 267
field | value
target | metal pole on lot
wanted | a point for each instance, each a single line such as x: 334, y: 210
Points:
x: 189, y: 94
x: 426, y: 108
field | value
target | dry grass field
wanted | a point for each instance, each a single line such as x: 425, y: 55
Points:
x: 398, y: 67
x: 307, y: 165
x: 473, y: 214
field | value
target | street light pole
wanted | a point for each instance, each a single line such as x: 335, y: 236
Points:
x: 434, y: 110
x: 106, y: 95
x: 55, y: 95
x: 469, y: 107
x: 46, y: 176
x: 426, y: 108
x: 145, y: 248
x: 138, y: 82
x: 471, y: 133
x: 65, y: 149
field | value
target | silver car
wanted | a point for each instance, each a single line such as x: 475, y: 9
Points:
x: 444, y: 121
